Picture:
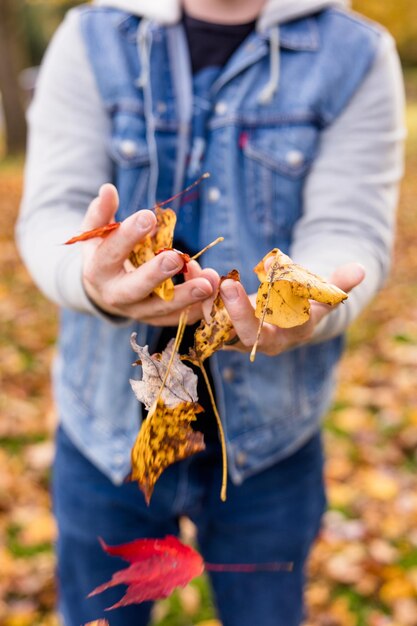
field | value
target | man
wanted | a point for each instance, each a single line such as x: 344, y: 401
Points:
x: 295, y: 109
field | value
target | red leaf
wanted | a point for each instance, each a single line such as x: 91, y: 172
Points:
x: 158, y: 566
x: 102, y: 232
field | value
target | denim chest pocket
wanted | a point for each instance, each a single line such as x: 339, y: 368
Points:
x: 130, y: 156
x: 276, y: 162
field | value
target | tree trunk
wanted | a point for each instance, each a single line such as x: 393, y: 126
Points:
x: 11, y: 46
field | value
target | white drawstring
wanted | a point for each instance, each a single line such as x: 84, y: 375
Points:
x: 144, y: 44
x: 271, y: 87
x: 143, y: 51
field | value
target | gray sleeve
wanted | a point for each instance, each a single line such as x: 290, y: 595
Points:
x: 351, y: 194
x: 67, y: 162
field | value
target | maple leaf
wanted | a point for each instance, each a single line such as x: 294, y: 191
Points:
x: 98, y: 622
x: 210, y: 336
x: 180, y: 385
x: 158, y: 566
x: 169, y: 390
x: 285, y: 291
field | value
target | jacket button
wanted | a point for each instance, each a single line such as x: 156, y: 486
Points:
x: 128, y: 147
x: 221, y: 108
x: 161, y: 107
x: 228, y: 374
x: 213, y: 194
x: 294, y: 157
x: 241, y: 458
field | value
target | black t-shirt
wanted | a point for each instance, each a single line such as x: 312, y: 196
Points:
x: 210, y: 47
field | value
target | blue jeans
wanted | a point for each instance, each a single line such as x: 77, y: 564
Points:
x: 273, y: 516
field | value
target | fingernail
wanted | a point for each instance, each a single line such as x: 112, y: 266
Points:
x: 171, y: 263
x: 230, y: 292
x: 144, y: 221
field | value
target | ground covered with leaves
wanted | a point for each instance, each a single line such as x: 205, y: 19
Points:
x: 363, y: 571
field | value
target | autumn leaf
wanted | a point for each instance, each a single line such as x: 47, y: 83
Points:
x: 284, y: 295
x: 153, y: 244
x: 165, y: 437
x: 158, y: 566
x: 210, y: 336
x: 180, y: 385
x: 98, y: 622
x: 102, y: 231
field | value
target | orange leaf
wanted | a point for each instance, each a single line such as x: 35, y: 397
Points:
x: 102, y: 231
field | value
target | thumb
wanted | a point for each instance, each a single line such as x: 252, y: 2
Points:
x: 348, y: 276
x: 102, y: 209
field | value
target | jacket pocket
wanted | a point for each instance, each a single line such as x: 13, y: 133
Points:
x: 276, y: 162
x: 130, y: 155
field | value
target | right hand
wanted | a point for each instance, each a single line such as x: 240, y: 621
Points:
x: 129, y: 293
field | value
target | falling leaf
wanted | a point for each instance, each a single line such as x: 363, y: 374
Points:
x: 158, y: 566
x: 180, y: 386
x: 210, y: 336
x: 98, y: 622
x: 165, y: 437
x: 285, y: 290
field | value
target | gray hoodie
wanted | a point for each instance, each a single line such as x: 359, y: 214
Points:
x: 69, y: 130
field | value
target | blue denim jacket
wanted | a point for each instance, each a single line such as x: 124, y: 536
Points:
x: 258, y: 154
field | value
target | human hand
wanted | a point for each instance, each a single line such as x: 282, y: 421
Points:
x: 129, y: 293
x: 274, y: 340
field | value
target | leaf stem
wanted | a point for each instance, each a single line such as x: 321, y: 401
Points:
x: 178, y: 338
x: 181, y: 193
x: 210, y: 245
x: 261, y: 321
x: 221, y: 431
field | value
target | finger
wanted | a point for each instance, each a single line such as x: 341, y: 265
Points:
x: 114, y: 250
x: 172, y: 319
x: 271, y: 259
x: 240, y: 310
x: 102, y: 209
x: 348, y: 276
x: 185, y: 295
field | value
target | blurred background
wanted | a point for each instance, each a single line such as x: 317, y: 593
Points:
x: 363, y: 571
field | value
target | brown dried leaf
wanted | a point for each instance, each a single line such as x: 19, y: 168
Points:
x: 164, y: 438
x: 180, y: 386
x: 210, y: 336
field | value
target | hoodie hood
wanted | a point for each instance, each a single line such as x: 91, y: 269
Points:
x: 275, y: 12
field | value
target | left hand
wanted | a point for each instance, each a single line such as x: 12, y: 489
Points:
x: 274, y: 340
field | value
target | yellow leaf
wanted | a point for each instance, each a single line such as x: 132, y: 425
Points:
x: 285, y: 291
x: 152, y: 244
x: 396, y: 589
x: 284, y: 295
x: 164, y: 438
